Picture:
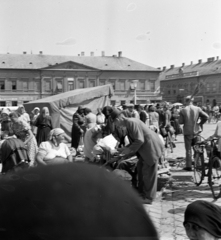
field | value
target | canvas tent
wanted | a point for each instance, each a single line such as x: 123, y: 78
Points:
x: 63, y: 106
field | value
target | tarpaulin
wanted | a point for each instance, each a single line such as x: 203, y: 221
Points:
x: 63, y: 106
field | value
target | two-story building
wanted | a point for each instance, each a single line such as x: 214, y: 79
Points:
x: 178, y: 82
x: 26, y: 77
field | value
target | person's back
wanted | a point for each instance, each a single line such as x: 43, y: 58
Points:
x: 189, y: 117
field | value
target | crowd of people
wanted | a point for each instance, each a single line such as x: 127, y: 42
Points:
x: 31, y: 140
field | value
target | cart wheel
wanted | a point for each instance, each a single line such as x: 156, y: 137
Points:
x: 214, y: 177
x: 199, y: 168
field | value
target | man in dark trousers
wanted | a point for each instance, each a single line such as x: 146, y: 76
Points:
x: 189, y: 117
x: 148, y: 147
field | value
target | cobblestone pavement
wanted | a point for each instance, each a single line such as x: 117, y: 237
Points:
x: 167, y: 212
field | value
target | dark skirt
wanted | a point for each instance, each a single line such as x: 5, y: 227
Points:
x: 42, y: 134
x: 75, y: 136
x: 176, y: 126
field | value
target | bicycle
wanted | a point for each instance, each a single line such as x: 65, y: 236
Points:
x: 210, y: 168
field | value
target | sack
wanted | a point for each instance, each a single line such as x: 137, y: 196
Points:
x: 163, y: 132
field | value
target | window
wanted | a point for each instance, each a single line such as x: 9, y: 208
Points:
x: 169, y: 92
x: 174, y: 91
x: 25, y: 85
x: 92, y: 83
x: 2, y: 85
x: 113, y: 103
x: 208, y: 87
x: 81, y: 84
x: 14, y: 103
x: 59, y: 86
x: 152, y: 86
x: 37, y: 86
x: 2, y: 103
x: 14, y: 85
x: 142, y: 85
x: 70, y: 84
x: 47, y: 85
x: 102, y: 82
x: 214, y: 87
x: 122, y: 102
x: 122, y: 85
x: 113, y: 82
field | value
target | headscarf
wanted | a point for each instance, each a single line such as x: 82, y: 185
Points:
x: 5, y: 111
x: 36, y: 108
x: 206, y: 215
x: 55, y: 132
x: 71, y: 201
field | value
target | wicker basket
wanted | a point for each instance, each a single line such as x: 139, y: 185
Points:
x: 162, y: 181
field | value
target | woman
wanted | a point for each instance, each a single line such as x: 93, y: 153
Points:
x: 35, y: 114
x: 100, y: 116
x: 44, y: 125
x: 175, y: 122
x: 23, y: 115
x: 54, y: 151
x: 6, y: 123
x: 77, y: 131
x: 153, y: 117
x: 22, y: 130
x: 89, y: 118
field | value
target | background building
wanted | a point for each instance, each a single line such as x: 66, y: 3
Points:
x: 26, y: 77
x: 178, y: 82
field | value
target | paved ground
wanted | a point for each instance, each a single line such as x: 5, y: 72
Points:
x: 167, y: 212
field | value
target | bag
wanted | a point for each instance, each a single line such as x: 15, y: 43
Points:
x: 163, y: 132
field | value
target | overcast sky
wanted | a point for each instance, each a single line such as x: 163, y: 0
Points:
x: 154, y: 32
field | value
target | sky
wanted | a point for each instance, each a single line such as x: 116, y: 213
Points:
x: 154, y: 32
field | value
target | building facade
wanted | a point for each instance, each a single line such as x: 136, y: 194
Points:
x: 26, y: 77
x: 178, y: 82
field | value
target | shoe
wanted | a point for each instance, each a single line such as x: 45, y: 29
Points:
x: 187, y: 169
x: 147, y: 201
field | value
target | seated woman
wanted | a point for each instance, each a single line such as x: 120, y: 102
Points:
x: 54, y: 151
x: 13, y: 155
x: 202, y: 220
x: 22, y: 130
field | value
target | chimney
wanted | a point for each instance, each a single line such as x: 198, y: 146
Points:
x: 200, y: 61
x: 82, y: 53
x: 103, y: 53
x: 40, y: 52
x: 171, y: 66
x: 217, y: 58
x: 120, y: 54
x: 159, y: 68
x: 210, y: 59
x: 164, y: 68
x: 24, y: 52
x: 183, y: 64
x: 191, y: 63
x: 92, y: 54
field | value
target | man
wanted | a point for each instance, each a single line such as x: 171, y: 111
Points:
x: 202, y: 221
x: 143, y: 114
x: 148, y: 147
x: 189, y: 117
x: 133, y: 112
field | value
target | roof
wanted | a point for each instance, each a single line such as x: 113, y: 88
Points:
x: 198, y: 69
x: 39, y: 61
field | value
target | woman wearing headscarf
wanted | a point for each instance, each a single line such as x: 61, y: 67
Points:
x: 54, y: 151
x: 22, y: 130
x: 23, y: 115
x: 44, y: 125
x: 77, y: 131
x: 35, y: 113
x: 5, y: 123
x: 202, y: 220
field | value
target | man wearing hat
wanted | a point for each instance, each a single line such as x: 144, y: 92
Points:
x: 148, y: 147
x: 189, y: 117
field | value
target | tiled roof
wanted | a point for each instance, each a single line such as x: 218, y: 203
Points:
x: 38, y: 61
x: 204, y: 68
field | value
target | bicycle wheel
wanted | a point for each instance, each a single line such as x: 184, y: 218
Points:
x: 214, y: 177
x: 199, y: 168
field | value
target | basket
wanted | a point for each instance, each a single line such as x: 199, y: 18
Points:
x: 162, y: 181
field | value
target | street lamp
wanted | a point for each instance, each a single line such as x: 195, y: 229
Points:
x: 134, y: 86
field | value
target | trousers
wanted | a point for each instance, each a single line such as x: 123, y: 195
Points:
x: 188, y: 146
x: 147, y: 178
